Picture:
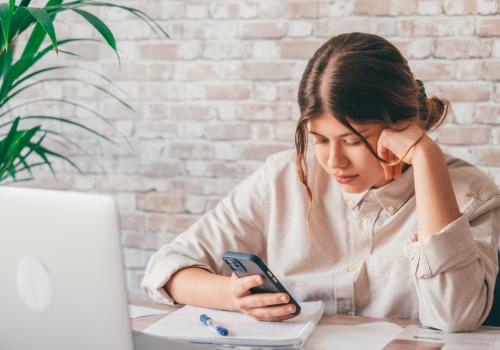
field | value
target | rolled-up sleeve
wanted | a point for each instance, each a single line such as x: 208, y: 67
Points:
x: 237, y: 223
x: 455, y: 270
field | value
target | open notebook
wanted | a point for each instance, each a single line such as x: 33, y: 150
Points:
x: 184, y: 325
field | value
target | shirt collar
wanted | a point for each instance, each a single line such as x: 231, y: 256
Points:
x: 391, y: 196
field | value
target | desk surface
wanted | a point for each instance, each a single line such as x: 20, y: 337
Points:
x: 141, y: 323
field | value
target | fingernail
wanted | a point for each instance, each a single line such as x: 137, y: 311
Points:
x: 291, y: 309
x: 283, y: 298
x: 258, y: 279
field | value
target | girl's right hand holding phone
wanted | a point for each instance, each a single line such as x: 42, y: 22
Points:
x: 260, y: 306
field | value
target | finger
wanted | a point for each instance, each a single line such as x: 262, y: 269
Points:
x: 244, y: 284
x: 263, y: 300
x: 274, y: 319
x: 272, y: 312
x: 398, y: 170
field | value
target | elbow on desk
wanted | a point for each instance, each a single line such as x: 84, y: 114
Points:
x: 459, y: 321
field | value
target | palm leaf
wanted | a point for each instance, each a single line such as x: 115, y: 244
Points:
x: 38, y: 33
x: 101, y: 28
x: 43, y: 19
x: 5, y: 17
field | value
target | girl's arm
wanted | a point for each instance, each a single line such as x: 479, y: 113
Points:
x: 199, y: 287
x: 436, y: 204
x: 454, y: 254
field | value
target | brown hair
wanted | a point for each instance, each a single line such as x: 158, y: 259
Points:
x: 364, y: 78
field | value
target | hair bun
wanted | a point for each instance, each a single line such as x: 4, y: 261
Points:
x: 433, y: 110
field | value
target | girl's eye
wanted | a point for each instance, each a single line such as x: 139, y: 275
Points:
x: 320, y: 141
x: 352, y: 142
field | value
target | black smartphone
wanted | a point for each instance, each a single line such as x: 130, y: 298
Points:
x: 244, y: 264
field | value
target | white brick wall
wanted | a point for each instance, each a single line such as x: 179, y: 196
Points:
x: 216, y: 99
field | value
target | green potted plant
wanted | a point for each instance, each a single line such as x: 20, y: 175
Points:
x: 23, y: 148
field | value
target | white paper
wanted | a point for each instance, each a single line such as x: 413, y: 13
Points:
x: 135, y: 311
x: 483, y: 338
x: 368, y: 336
x: 184, y: 324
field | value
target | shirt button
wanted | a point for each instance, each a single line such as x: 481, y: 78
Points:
x: 364, y: 223
x: 391, y: 209
x: 351, y: 268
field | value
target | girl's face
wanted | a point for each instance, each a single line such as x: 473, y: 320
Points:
x: 344, y: 156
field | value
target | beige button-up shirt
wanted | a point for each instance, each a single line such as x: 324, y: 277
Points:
x: 362, y: 257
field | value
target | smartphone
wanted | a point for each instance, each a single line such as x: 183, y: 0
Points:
x: 244, y: 264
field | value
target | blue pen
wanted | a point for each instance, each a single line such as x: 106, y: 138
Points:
x: 207, y: 321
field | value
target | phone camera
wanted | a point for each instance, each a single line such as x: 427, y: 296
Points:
x: 235, y: 265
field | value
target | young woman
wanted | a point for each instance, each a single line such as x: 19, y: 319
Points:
x: 377, y: 221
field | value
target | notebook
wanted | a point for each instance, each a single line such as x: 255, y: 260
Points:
x: 184, y: 325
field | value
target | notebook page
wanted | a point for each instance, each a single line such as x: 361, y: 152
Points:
x: 184, y: 324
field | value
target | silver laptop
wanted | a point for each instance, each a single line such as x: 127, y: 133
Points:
x: 62, y: 283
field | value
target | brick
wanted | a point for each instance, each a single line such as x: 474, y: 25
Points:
x: 341, y: 8
x: 462, y: 113
x: 224, y: 11
x: 190, y: 149
x: 189, y: 50
x: 285, y: 131
x: 160, y: 71
x: 443, y: 26
x: 159, y: 52
x: 299, y: 28
x: 309, y: 9
x: 265, y: 112
x: 469, y: 70
x: 270, y: 9
x: 464, y: 135
x: 488, y: 156
x: 387, y: 27
x: 228, y: 49
x: 157, y: 129
x: 195, y: 204
x: 486, y: 7
x: 132, y: 221
x: 328, y: 28
x: 429, y: 7
x: 263, y: 30
x: 488, y: 26
x: 488, y: 113
x: 191, y: 130
x: 267, y: 70
x: 465, y: 91
x: 453, y: 48
x: 372, y: 8
x: 190, y: 112
x: 491, y: 70
x: 260, y: 150
x: 264, y: 91
x: 196, y: 11
x: 228, y: 91
x: 433, y: 69
x: 403, y: 7
x: 161, y: 168
x: 265, y: 49
x: 160, y: 202
x: 195, y: 71
x: 299, y: 48
x: 288, y: 92
x: 135, y: 258
x: 460, y: 7
x: 263, y: 131
x: 227, y: 131
x: 415, y: 47
x: 149, y: 241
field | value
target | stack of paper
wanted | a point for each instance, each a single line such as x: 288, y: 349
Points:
x: 184, y: 325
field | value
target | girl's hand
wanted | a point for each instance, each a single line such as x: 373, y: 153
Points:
x: 262, y: 306
x: 396, y: 146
